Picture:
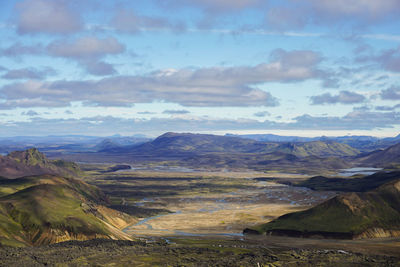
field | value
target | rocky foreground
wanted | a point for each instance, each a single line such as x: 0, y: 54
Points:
x: 183, y: 252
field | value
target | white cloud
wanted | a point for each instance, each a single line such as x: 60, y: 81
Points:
x: 88, y: 51
x: 28, y: 73
x: 86, y: 47
x: 47, y: 16
x: 213, y: 5
x: 128, y: 21
x: 392, y: 93
x: 344, y: 97
x: 293, y: 14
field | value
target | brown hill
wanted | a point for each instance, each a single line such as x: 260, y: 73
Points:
x: 32, y: 162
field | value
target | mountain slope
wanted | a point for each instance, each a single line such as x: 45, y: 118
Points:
x: 317, y: 148
x: 32, y: 162
x: 50, y: 209
x: 351, y: 215
x: 389, y: 157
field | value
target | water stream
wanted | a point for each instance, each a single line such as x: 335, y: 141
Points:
x: 358, y: 170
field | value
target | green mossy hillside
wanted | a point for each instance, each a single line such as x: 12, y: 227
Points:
x: 351, y: 215
x: 49, y: 209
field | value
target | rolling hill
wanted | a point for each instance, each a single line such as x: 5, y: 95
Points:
x: 46, y: 209
x: 32, y: 162
x: 352, y: 215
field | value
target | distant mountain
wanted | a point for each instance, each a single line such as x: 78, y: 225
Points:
x: 228, y: 152
x: 350, y: 216
x: 317, y: 148
x: 388, y: 158
x: 275, y: 138
x: 117, y: 142
x: 65, y: 143
x: 190, y: 144
x: 33, y: 162
x: 362, y: 143
x: 201, y: 143
x: 45, y: 209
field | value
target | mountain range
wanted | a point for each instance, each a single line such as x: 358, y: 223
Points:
x: 362, y: 143
x: 187, y: 143
x: 82, y: 143
x: 205, y: 151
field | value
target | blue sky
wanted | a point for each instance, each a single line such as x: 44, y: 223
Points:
x: 312, y: 67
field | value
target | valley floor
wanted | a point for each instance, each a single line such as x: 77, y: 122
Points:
x: 204, y: 203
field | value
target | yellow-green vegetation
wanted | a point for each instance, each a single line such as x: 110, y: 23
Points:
x: 352, y: 215
x: 48, y: 209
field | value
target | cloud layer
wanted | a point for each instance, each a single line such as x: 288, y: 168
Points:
x: 203, y: 87
x: 107, y: 125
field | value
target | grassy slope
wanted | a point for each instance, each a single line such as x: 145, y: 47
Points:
x: 48, y: 209
x: 351, y: 213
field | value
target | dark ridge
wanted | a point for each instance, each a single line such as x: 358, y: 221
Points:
x: 364, y: 184
x: 311, y: 234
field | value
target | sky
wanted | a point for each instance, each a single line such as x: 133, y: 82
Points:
x: 289, y: 67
